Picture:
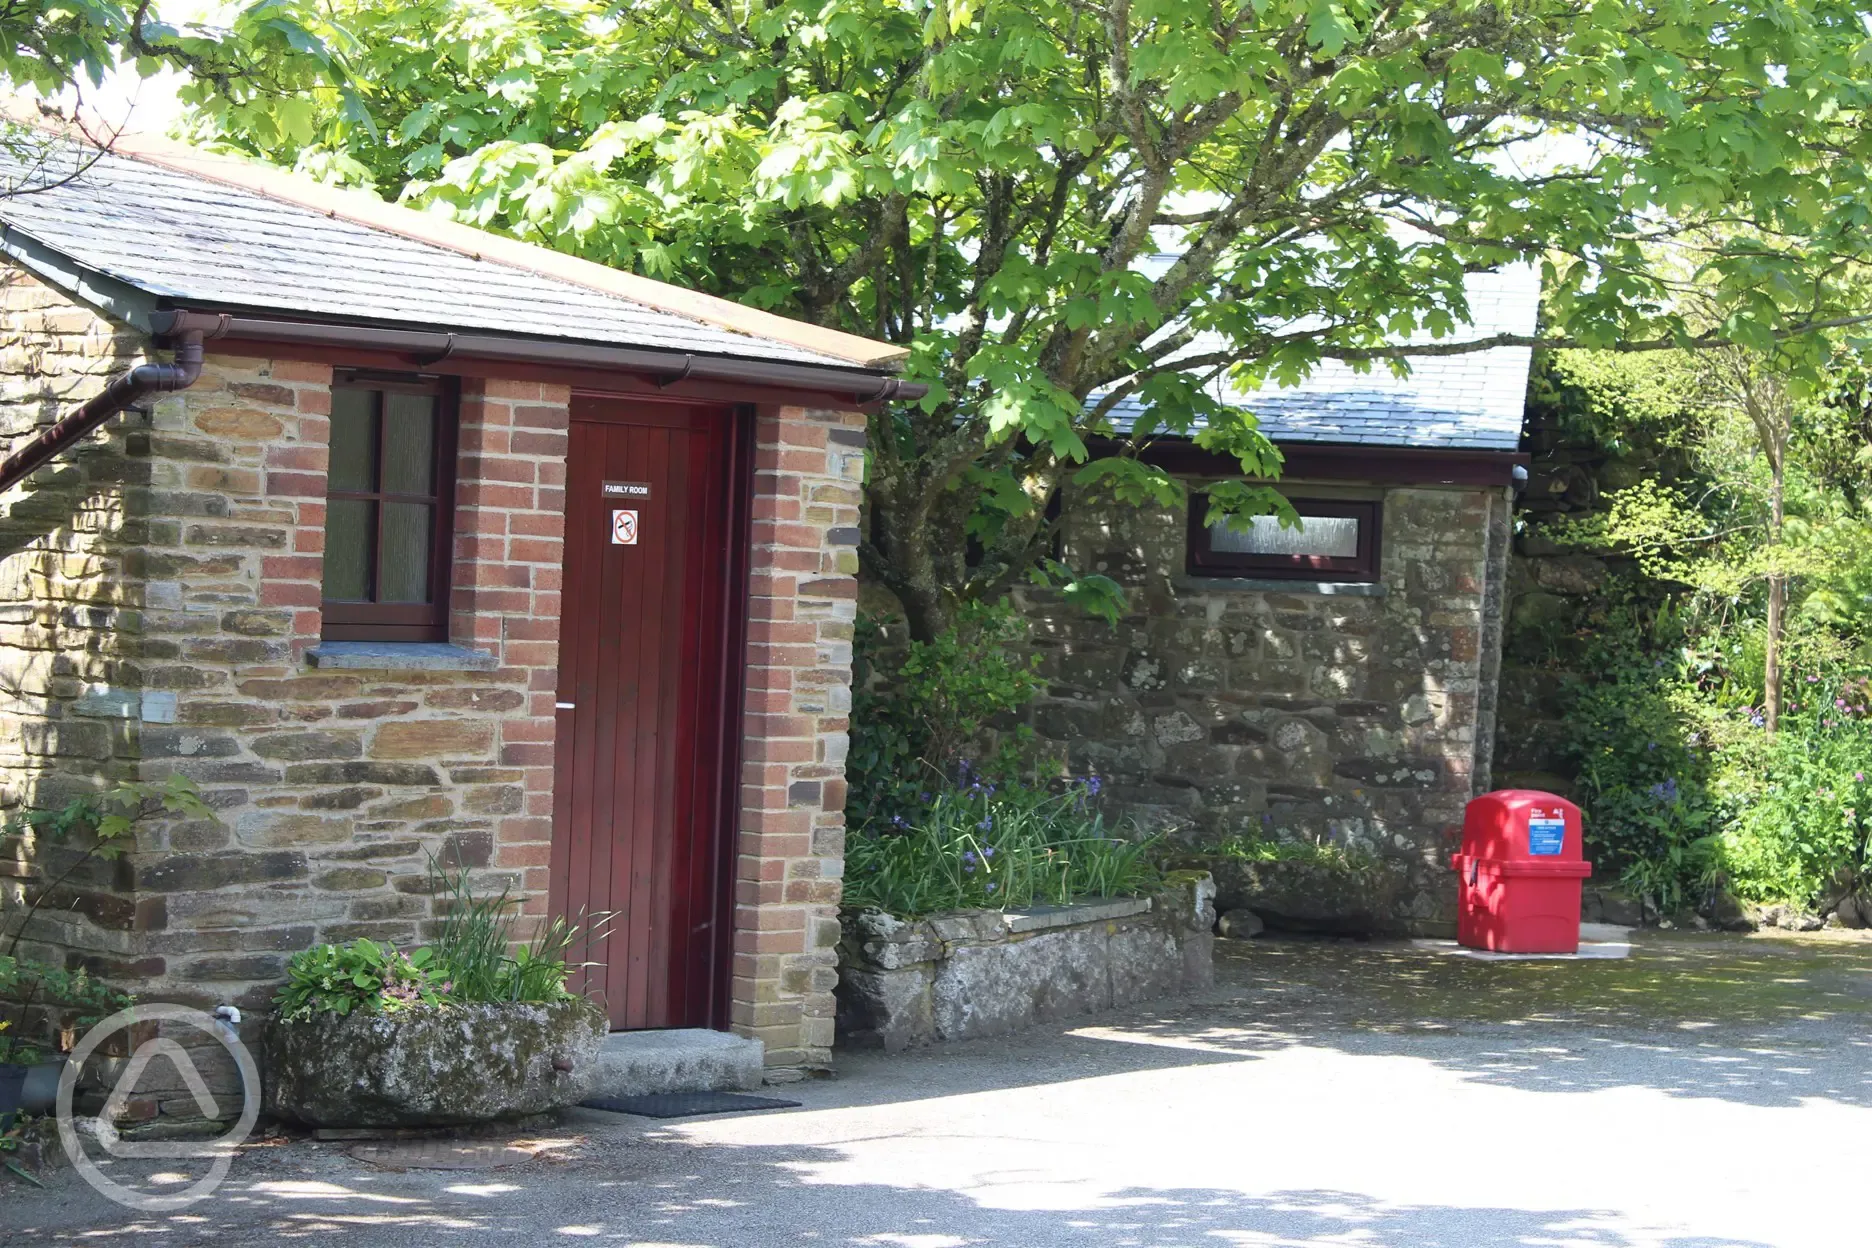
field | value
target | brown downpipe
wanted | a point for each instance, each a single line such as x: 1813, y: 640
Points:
x: 123, y: 391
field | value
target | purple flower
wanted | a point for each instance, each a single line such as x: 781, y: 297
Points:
x: 985, y: 824
x: 968, y: 856
x: 1093, y: 784
x: 1859, y: 776
x: 988, y: 851
x: 992, y: 886
x: 1840, y: 702
x: 1813, y: 680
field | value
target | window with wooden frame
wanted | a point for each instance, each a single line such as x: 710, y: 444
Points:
x: 1337, y: 541
x: 389, y: 509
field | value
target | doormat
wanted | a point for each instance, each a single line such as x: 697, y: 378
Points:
x: 686, y: 1104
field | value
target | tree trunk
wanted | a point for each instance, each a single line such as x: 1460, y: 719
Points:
x: 1777, y: 601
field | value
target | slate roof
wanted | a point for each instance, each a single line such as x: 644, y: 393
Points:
x: 1467, y: 402
x: 205, y: 244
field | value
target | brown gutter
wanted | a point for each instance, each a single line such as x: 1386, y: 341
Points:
x: 431, y: 347
x: 123, y: 391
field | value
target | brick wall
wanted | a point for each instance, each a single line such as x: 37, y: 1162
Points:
x: 809, y: 468
x: 1217, y: 710
x: 158, y: 597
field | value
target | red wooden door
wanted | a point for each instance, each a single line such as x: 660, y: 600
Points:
x: 649, y: 685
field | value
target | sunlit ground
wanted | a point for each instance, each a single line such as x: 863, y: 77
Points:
x: 1707, y: 1092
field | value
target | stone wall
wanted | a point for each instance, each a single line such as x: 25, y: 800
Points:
x: 976, y: 973
x: 67, y: 612
x: 159, y: 613
x: 1345, y: 714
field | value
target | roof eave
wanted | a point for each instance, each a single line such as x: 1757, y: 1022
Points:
x: 433, y: 346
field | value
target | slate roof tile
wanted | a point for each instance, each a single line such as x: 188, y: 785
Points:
x: 199, y: 241
x: 1471, y: 401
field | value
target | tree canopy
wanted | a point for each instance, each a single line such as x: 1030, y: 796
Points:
x: 1058, y: 204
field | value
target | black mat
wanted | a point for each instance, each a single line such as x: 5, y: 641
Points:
x: 686, y: 1104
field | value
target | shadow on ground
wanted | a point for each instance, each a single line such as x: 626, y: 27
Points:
x: 1724, y: 1027
x: 1769, y: 1022
x: 762, y: 1189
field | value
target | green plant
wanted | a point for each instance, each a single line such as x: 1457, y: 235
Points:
x: 475, y: 936
x: 108, y: 819
x: 1316, y: 853
x: 77, y: 997
x: 1800, y: 830
x: 14, y: 1131
x: 1636, y: 705
x: 103, y: 825
x: 362, y: 976
x: 918, y: 708
x: 983, y: 844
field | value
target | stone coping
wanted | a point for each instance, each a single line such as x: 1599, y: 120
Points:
x: 1040, y: 918
x: 1277, y: 585
x: 401, y: 656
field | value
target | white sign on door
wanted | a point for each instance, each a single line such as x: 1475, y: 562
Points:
x: 624, y: 528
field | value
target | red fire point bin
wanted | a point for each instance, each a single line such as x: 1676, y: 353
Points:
x: 1519, y: 872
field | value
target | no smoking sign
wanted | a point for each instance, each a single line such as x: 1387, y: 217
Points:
x: 623, y: 528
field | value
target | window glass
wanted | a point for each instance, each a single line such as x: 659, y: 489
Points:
x: 353, y: 439
x: 403, y: 570
x: 408, y: 443
x: 1335, y: 537
x: 347, y: 549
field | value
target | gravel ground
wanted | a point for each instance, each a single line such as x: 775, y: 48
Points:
x: 1707, y: 1092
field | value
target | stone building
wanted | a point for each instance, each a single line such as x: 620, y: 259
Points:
x: 430, y: 546
x: 1333, y: 684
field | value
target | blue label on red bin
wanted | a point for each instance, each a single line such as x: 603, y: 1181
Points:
x: 1546, y: 833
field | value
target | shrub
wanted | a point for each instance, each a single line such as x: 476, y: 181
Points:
x: 919, y: 709
x: 1800, y: 800
x: 994, y: 845
x: 1638, y: 738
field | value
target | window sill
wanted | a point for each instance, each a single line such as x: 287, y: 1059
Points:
x: 400, y: 656
x: 1280, y: 585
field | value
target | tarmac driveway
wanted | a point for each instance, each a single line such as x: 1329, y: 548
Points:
x: 1707, y: 1092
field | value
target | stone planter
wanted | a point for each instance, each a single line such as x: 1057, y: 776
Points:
x: 988, y: 972
x: 433, y: 1067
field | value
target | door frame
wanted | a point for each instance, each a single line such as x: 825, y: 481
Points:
x: 731, y: 707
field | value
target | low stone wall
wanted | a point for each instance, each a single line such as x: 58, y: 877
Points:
x: 980, y: 973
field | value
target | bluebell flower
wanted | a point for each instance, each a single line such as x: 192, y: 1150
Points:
x: 992, y: 886
x: 985, y: 824
x: 968, y: 856
x: 1665, y: 791
x: 968, y: 868
x: 1093, y: 784
x: 988, y: 850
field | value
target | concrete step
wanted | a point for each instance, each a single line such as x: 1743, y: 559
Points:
x: 640, y: 1063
